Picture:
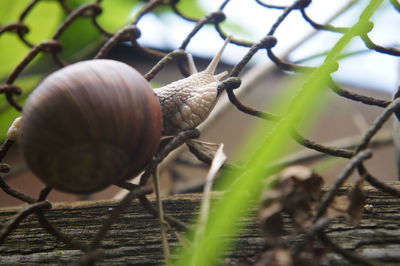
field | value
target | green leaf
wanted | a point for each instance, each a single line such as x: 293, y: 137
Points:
x: 116, y: 14
x: 80, y: 40
x: 10, y: 10
x: 42, y: 22
x: 191, y: 8
x: 73, y: 4
x: 12, y: 53
x: 237, y: 29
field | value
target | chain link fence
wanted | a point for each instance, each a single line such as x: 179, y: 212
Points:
x: 131, y: 33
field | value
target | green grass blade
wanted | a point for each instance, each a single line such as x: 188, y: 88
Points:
x: 207, y: 248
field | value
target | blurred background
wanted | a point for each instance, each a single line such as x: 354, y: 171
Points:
x: 341, y: 121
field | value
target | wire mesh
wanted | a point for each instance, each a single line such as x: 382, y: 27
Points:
x: 130, y: 33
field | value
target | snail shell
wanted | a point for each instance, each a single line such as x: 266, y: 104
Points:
x: 89, y: 125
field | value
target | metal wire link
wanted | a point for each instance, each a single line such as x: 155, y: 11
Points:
x: 131, y: 33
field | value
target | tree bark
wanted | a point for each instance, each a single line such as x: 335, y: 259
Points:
x: 135, y: 239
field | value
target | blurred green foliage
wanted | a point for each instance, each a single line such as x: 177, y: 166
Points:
x: 41, y: 24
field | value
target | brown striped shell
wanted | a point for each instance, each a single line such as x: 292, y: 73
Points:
x: 89, y: 125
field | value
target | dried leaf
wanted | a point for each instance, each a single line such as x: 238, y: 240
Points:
x: 297, y: 171
x: 204, y: 151
x: 311, y: 257
x: 218, y: 161
x: 357, y: 202
x: 309, y: 180
x: 270, y: 217
x: 301, y: 189
x: 338, y: 207
x: 275, y: 257
x: 350, y: 207
x: 239, y: 262
x: 271, y: 222
x: 269, y: 210
x: 296, y: 193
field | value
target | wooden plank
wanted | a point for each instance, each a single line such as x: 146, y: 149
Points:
x: 135, y: 240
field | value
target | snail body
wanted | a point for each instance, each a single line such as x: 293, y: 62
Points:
x: 98, y: 122
x: 186, y: 103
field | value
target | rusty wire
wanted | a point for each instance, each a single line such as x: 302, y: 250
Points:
x: 131, y: 33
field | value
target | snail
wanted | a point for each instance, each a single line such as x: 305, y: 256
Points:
x: 98, y: 122
x: 84, y: 125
